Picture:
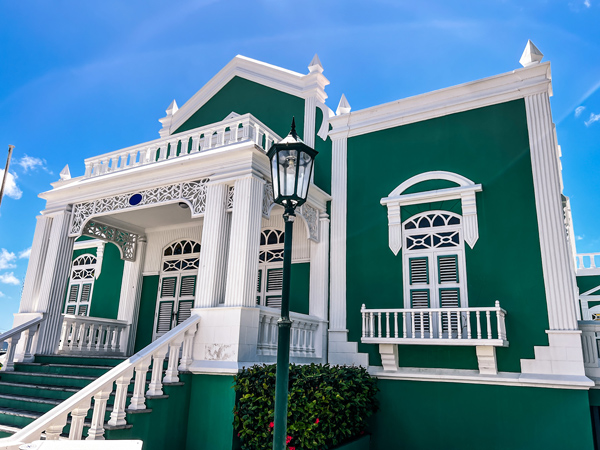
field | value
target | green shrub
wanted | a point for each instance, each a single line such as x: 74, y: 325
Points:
x: 327, y: 405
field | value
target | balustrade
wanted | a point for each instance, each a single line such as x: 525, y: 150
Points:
x: 178, y: 343
x: 229, y: 131
x: 303, y: 337
x: 83, y: 335
x: 26, y: 331
x: 588, y: 261
x: 435, y: 326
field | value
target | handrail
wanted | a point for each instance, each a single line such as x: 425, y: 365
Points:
x: 53, y: 422
x: 29, y: 330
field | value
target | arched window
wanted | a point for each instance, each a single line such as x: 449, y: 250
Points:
x: 434, y: 265
x: 270, y: 268
x: 177, y: 285
x: 81, y: 285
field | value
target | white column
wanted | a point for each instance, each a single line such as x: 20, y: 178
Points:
x: 310, y: 118
x: 131, y: 291
x: 54, y: 281
x: 319, y: 271
x: 242, y: 265
x: 556, y: 262
x: 210, y: 289
x: 337, y: 315
x: 35, y: 268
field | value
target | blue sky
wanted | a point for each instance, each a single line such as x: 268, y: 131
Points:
x: 79, y: 79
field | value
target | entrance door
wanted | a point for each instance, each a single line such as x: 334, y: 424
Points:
x: 177, y: 286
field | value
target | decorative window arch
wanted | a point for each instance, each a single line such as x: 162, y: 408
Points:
x: 465, y: 192
x: 177, y: 285
x: 81, y: 285
x: 270, y: 268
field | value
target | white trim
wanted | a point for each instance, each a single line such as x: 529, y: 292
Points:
x: 433, y: 175
x: 474, y: 377
x: 290, y: 82
x: 476, y: 94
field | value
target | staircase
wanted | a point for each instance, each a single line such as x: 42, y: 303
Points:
x: 35, y: 388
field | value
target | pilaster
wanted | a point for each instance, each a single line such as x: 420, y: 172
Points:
x: 242, y: 263
x: 54, y: 280
x: 319, y: 271
x: 131, y: 291
x: 210, y: 289
x: 310, y: 118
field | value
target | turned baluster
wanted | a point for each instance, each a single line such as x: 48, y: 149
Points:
x: 155, y: 387
x: 10, y: 353
x: 138, y: 400
x: 96, y: 431
x: 172, y: 372
x: 195, y: 144
x: 55, y: 429
x: 186, y: 353
x: 77, y: 420
x: 117, y: 416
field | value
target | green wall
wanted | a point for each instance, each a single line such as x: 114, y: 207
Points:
x: 489, y: 146
x: 424, y: 416
x: 210, y: 419
x: 586, y: 283
x: 107, y: 287
x: 273, y: 108
x: 300, y: 288
x: 147, y: 310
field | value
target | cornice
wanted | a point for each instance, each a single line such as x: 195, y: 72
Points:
x: 288, y: 81
x: 476, y: 94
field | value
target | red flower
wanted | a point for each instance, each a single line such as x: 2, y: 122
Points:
x: 289, y: 438
x: 317, y: 421
x: 238, y: 434
x: 271, y: 425
x: 292, y: 448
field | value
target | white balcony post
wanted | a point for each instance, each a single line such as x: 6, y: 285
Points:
x: 78, y: 419
x: 96, y: 431
x: 138, y: 400
x: 172, y: 366
x: 155, y: 387
x: 210, y: 289
x: 242, y: 265
x: 117, y: 416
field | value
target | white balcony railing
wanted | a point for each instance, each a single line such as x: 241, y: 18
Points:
x: 26, y: 331
x: 435, y: 326
x: 588, y: 262
x: 83, y: 335
x: 304, y: 337
x: 177, y: 344
x: 229, y: 131
x: 590, y: 342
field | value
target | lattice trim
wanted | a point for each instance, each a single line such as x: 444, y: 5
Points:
x: 126, y: 241
x: 194, y: 192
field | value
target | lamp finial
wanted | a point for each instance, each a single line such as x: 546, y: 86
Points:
x: 293, y: 130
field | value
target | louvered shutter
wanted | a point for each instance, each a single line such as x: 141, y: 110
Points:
x: 188, y: 286
x: 274, y: 280
x: 419, y: 299
x: 450, y: 298
x: 419, y: 270
x: 448, y: 269
x: 83, y: 310
x: 70, y: 309
x: 165, y: 316
x: 73, y: 293
x: 168, y: 286
x: 184, y: 310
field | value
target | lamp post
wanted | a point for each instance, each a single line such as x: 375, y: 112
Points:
x: 291, y: 170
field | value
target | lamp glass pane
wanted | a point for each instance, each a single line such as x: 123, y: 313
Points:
x: 304, y: 172
x: 275, y: 176
x: 288, y: 163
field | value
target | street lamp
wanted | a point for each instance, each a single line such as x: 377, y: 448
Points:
x: 291, y: 171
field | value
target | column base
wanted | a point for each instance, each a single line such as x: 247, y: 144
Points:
x: 564, y: 355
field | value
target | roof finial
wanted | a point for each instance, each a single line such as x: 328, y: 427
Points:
x: 343, y: 107
x: 531, y: 55
x: 172, y: 109
x: 65, y: 174
x: 315, y: 65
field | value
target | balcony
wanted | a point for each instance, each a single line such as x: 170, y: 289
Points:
x: 481, y: 327
x: 232, y: 130
x: 585, y: 263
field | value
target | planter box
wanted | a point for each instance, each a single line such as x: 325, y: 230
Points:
x: 362, y: 443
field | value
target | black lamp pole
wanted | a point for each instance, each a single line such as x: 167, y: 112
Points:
x: 291, y: 170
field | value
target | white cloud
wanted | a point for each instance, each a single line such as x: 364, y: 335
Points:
x: 593, y: 118
x: 10, y: 188
x: 579, y: 110
x: 2, y: 294
x: 6, y: 259
x: 32, y: 163
x: 9, y: 278
x: 587, y: 3
x: 579, y: 238
x: 25, y: 253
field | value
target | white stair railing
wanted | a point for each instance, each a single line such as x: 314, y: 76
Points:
x: 303, y: 337
x: 435, y: 326
x: 77, y: 406
x: 83, y: 335
x: 229, y: 131
x: 28, y: 331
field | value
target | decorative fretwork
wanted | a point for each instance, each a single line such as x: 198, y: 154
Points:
x: 125, y: 240
x: 230, y: 194
x: 194, y: 192
x: 175, y: 265
x: 85, y: 260
x: 184, y: 247
x: 431, y: 221
x: 308, y: 212
x: 271, y: 245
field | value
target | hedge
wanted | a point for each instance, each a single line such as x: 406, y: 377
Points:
x: 327, y: 405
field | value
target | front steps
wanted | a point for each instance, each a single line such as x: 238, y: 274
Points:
x: 33, y: 389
